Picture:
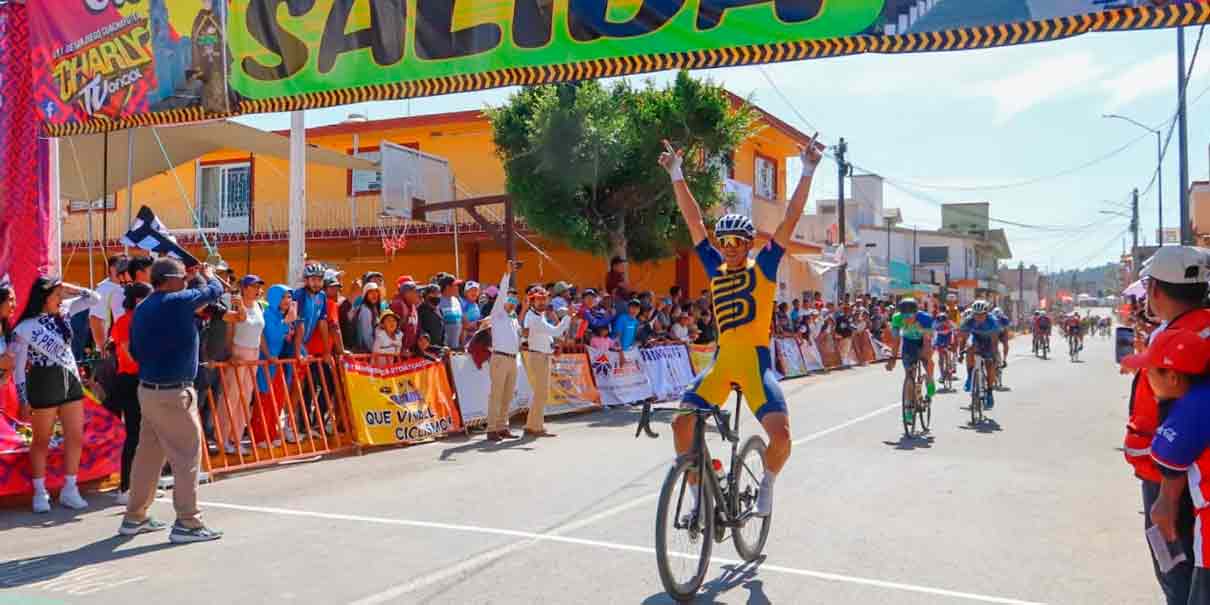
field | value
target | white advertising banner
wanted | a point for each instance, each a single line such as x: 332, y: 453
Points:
x: 620, y: 378
x: 790, y: 356
x: 668, y: 370
x: 811, y: 359
x: 474, y: 384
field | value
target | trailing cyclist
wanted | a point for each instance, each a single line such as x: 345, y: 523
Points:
x: 1041, y: 331
x: 915, y: 329
x: 1005, y: 324
x: 981, y: 332
x: 743, y: 290
x: 943, y: 343
x: 1073, y: 328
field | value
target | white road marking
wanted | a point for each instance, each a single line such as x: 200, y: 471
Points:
x: 397, y: 591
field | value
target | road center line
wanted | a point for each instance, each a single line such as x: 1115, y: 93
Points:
x: 548, y: 537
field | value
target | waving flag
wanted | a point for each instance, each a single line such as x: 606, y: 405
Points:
x: 148, y: 233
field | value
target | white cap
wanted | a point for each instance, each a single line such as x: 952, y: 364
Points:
x: 370, y: 287
x: 1177, y: 265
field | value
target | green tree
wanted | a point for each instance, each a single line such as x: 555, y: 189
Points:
x: 581, y: 159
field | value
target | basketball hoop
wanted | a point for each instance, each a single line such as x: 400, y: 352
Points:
x: 394, y: 240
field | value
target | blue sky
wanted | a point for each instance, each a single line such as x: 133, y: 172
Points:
x: 975, y: 119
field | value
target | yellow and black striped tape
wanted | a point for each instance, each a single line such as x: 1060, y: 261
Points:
x: 1143, y: 17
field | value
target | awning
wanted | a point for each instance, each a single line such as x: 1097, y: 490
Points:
x: 81, y: 157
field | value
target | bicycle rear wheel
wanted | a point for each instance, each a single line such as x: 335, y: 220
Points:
x: 750, y: 538
x: 976, y: 393
x: 683, y: 538
x: 924, y: 408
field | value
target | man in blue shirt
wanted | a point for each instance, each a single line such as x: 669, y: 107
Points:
x: 164, y: 342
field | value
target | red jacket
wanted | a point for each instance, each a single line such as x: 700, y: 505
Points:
x: 1145, y: 412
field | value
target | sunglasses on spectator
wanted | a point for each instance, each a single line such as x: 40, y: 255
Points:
x: 732, y: 241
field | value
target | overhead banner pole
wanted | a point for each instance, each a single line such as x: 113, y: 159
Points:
x: 298, y: 196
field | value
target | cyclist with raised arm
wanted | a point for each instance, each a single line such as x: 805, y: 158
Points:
x: 915, y: 329
x: 744, y: 290
x: 981, y: 332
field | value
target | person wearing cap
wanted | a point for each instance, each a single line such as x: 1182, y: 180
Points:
x: 471, y: 315
x: 388, y: 340
x: 333, y: 292
x: 312, y: 338
x: 558, y: 300
x: 1175, y: 366
x: 247, y: 341
x: 506, y: 344
x: 542, y: 334
x: 406, y: 305
x: 164, y: 342
x: 1176, y: 284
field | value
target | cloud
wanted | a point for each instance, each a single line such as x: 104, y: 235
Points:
x: 1154, y: 76
x: 1041, y: 81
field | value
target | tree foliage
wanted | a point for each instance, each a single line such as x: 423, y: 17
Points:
x: 581, y: 159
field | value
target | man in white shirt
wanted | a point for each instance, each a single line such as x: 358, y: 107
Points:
x: 105, y: 311
x: 506, y: 344
x: 542, y: 335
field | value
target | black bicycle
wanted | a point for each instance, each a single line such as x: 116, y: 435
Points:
x: 916, y: 410
x: 979, y: 389
x: 1073, y: 347
x: 726, y: 500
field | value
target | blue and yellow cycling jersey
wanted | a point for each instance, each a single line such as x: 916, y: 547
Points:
x: 743, y: 310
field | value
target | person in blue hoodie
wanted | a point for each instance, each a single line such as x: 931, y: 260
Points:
x: 626, y: 325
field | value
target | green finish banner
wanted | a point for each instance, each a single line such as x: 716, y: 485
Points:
x: 282, y: 55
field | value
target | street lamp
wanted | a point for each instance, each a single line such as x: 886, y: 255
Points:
x: 1159, y: 169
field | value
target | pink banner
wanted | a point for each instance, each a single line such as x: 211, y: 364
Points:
x: 24, y: 218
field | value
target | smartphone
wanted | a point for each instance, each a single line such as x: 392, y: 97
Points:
x: 1123, y: 342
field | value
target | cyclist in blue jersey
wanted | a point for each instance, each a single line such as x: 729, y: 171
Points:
x: 981, y: 332
x: 943, y: 340
x: 1005, y: 324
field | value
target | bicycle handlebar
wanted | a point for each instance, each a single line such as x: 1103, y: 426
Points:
x: 645, y: 423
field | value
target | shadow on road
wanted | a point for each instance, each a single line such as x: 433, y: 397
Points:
x: 913, y: 442
x: 734, y: 576
x: 31, y: 570
x: 479, y: 443
x: 986, y: 427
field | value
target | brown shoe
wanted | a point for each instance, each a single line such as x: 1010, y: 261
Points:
x: 506, y: 434
x: 494, y: 436
x: 541, y: 433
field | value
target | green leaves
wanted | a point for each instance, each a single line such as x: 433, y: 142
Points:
x: 580, y: 159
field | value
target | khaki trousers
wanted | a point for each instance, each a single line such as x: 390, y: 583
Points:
x: 537, y: 367
x: 504, y: 385
x: 170, y: 431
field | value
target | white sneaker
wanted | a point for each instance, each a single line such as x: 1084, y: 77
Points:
x: 290, y: 436
x: 41, y: 502
x: 71, y: 498
x: 122, y: 498
x: 243, y: 449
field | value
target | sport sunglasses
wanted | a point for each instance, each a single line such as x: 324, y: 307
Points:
x: 733, y: 241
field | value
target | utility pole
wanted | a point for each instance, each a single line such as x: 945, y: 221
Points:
x: 1134, y: 228
x: 1182, y: 140
x: 1020, y: 289
x: 843, y: 167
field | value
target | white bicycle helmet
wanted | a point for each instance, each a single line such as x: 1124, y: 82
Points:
x: 736, y: 225
x: 979, y: 307
x: 314, y: 271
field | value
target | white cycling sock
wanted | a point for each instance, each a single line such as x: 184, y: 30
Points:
x: 69, y: 481
x: 692, y: 489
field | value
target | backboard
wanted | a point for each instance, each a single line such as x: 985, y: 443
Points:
x: 409, y: 174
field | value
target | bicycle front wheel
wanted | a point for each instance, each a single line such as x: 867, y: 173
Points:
x: 976, y: 395
x: 683, y: 538
x: 908, y: 406
x: 750, y: 537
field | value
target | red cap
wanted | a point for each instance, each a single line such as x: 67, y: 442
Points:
x: 1182, y: 351
x: 403, y: 279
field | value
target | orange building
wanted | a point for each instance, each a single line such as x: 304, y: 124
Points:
x: 241, y: 201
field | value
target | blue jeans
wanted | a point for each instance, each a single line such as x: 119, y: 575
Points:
x: 1176, y: 582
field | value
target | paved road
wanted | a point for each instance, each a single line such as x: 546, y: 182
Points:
x: 1037, y: 507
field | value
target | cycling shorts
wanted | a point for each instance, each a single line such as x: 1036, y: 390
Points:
x: 985, y: 348
x: 751, y: 369
x: 942, y: 341
x: 910, y: 351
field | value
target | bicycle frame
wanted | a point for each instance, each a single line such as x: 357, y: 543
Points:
x: 707, y: 480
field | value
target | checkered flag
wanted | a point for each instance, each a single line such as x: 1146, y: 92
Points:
x: 148, y: 233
